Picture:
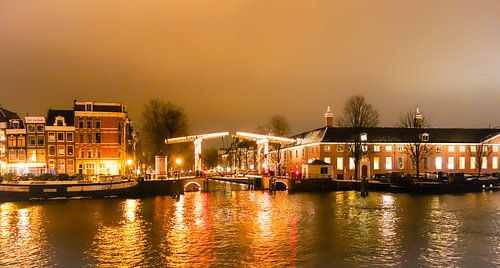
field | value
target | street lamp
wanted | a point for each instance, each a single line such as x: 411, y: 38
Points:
x: 178, y: 161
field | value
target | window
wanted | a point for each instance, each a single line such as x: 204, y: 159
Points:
x: 60, y: 136
x: 70, y: 150
x: 120, y: 142
x: 388, y: 163
x: 69, y: 136
x: 61, y: 169
x: 401, y: 148
x: 351, y: 163
x: 388, y: 148
x: 52, y: 136
x: 376, y: 163
x: 88, y: 107
x: 495, y: 149
x: 427, y: 163
x: 89, y: 138
x: 97, y: 123
x: 340, y: 148
x: 31, y: 141
x: 451, y: 162
x: 40, y: 141
x: 472, y: 149
x: 82, y: 153
x: 81, y: 138
x: 14, y: 124
x: 40, y: 128
x: 439, y: 149
x: 340, y: 163
x: 484, y: 162
x: 324, y: 170
x: 98, y: 138
x: 451, y: 148
x: 12, y: 142
x: 401, y: 163
x: 59, y: 122
x: 462, y: 148
x: 296, y: 153
x: 89, y: 153
x: 31, y: 128
x: 21, y: 141
x: 89, y: 123
x: 439, y: 162
x: 327, y: 148
x: 60, y: 150
x: 472, y: 163
x: 327, y: 160
x: 80, y: 123
x: 425, y: 137
x: 461, y: 162
x: 12, y: 155
x: 22, y: 155
x: 376, y: 148
x: 364, y: 137
x: 52, y: 150
x: 494, y: 162
x: 364, y: 148
x: 98, y: 153
x: 70, y: 167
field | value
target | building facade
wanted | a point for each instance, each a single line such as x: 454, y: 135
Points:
x: 386, y: 150
x: 5, y: 117
x: 16, y: 146
x: 60, y: 145
x: 101, y: 135
x: 35, y: 145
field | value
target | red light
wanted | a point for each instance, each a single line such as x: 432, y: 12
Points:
x: 296, y: 173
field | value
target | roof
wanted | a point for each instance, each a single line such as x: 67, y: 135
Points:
x: 6, y: 115
x: 397, y: 135
x: 317, y: 162
x: 69, y: 117
x: 100, y: 106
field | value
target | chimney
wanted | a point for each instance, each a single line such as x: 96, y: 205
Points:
x: 328, y: 118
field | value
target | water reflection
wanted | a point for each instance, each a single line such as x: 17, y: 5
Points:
x: 244, y: 228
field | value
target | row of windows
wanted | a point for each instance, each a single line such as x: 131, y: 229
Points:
x: 450, y: 164
x: 90, y: 153
x: 34, y: 141
x: 89, y: 123
x: 89, y: 138
x: 62, y: 150
x: 15, y: 155
x: 60, y: 136
x: 32, y: 128
x: 63, y: 166
x: 401, y: 148
x: 19, y: 141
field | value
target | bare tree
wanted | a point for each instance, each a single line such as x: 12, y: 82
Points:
x: 278, y: 125
x: 162, y: 120
x: 358, y: 115
x: 479, y: 152
x: 418, y: 148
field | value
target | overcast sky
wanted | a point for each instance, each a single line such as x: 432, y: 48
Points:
x: 232, y: 64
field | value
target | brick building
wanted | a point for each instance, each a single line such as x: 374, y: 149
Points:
x: 60, y: 145
x: 100, y: 132
x: 5, y: 117
x: 453, y: 150
x: 16, y: 146
x: 35, y: 144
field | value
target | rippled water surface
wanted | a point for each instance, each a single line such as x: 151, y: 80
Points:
x: 247, y: 228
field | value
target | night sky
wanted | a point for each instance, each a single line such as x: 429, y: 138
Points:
x: 232, y: 64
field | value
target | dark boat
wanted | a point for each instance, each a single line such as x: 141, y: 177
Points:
x: 67, y: 190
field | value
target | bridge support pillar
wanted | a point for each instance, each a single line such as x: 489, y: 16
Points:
x: 205, y: 187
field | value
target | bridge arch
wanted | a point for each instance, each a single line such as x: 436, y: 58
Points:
x: 196, y: 186
x: 281, y: 185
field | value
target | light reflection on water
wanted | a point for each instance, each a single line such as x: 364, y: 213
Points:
x: 244, y: 228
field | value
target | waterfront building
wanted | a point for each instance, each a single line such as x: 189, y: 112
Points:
x: 60, y: 142
x: 16, y: 145
x: 35, y: 145
x: 5, y: 117
x: 101, y: 133
x: 452, y: 150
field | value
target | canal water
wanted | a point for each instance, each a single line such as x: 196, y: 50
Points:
x: 254, y: 228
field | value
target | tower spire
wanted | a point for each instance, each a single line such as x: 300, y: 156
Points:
x: 329, y: 117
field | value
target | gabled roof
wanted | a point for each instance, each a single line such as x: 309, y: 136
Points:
x: 6, y: 115
x: 397, y: 135
x: 317, y: 162
x: 69, y: 117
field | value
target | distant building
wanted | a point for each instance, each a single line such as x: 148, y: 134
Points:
x: 16, y: 145
x: 101, y: 138
x: 5, y: 117
x: 35, y: 144
x: 60, y: 145
x: 452, y: 150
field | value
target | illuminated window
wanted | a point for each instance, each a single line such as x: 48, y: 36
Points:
x: 494, y: 162
x: 484, y: 162
x: 462, y: 148
x: 425, y: 137
x: 60, y: 150
x: 340, y: 148
x: 70, y: 167
x: 439, y: 149
x: 376, y: 163
x: 376, y: 148
x: 451, y: 148
x: 472, y: 163
x: 351, y: 163
x: 388, y: 163
x: 388, y: 148
x: 364, y: 148
x: 327, y: 160
x: 451, y: 162
x: 472, y: 149
x: 364, y: 137
x: 340, y: 163
x: 61, y: 166
x: 400, y: 162
x: 52, y: 136
x: 495, y: 149
x: 89, y: 153
x: 12, y: 142
x: 461, y: 162
x: 401, y: 148
x: 327, y: 148
x: 12, y: 155
x: 22, y: 155
x: 439, y: 163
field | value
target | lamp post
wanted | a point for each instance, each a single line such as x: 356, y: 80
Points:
x: 178, y: 161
